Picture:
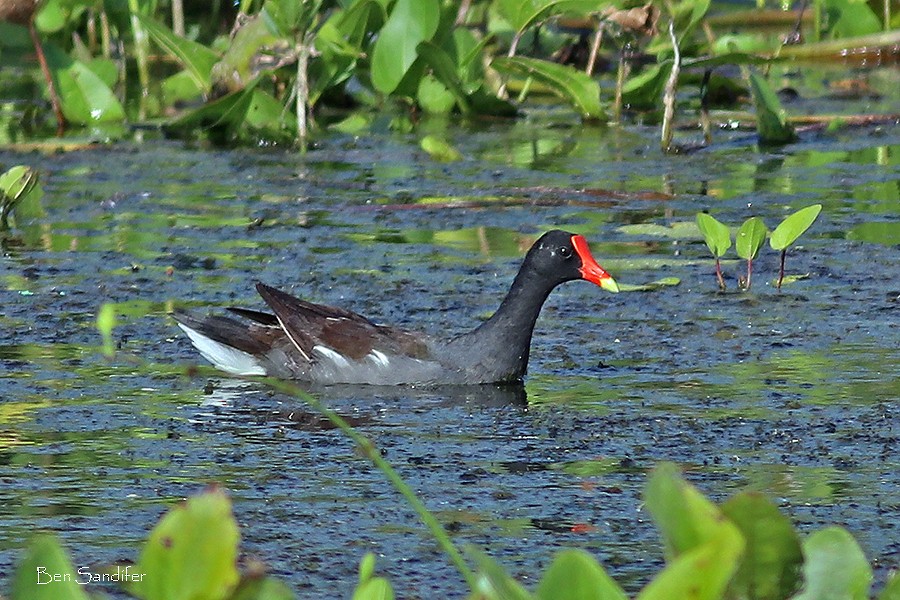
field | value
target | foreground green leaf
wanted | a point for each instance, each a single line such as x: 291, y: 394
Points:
x: 771, y: 566
x: 576, y: 575
x: 835, y: 567
x: 716, y: 234
x: 492, y: 582
x: 191, y: 552
x: 34, y: 578
x: 703, y: 572
x: 686, y: 519
x: 574, y: 86
x: 794, y: 226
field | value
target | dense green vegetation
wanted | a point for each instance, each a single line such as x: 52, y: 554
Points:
x: 743, y: 549
x: 279, y: 70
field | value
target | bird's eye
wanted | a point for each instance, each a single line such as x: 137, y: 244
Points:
x: 565, y: 251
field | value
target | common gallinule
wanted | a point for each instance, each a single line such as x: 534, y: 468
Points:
x: 327, y: 345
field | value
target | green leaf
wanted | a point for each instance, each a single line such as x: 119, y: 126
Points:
x: 439, y: 150
x: 191, y: 552
x: 18, y: 182
x: 716, y: 235
x: 377, y: 588
x: 701, y: 573
x: 434, y: 97
x: 410, y: 23
x: 644, y: 91
x: 678, y: 230
x: 851, y: 18
x: 84, y: 97
x: 445, y: 72
x: 522, y: 13
x: 46, y: 573
x: 891, y: 591
x: 771, y: 122
x: 20, y: 194
x: 750, y: 238
x: 493, y: 582
x: 686, y: 519
x: 196, y: 58
x: 794, y: 226
x: 227, y: 112
x: 648, y: 287
x: 366, y: 567
x: 572, y: 85
x: 106, y: 321
x: 576, y: 575
x: 770, y: 569
x: 835, y: 567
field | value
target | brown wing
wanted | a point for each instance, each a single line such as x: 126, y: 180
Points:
x: 346, y: 332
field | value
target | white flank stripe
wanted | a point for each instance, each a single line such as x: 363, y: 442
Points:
x: 378, y: 358
x: 336, y: 357
x: 231, y: 360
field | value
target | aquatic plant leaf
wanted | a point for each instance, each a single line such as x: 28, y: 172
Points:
x: 366, y: 567
x: 572, y: 85
x: 835, y: 567
x: 410, y: 23
x: 679, y: 230
x: 439, y: 149
x: 771, y: 120
x: 794, y: 226
x: 492, y: 582
x: 576, y: 575
x: 701, y: 573
x: 17, y: 182
x: 191, y: 552
x: 45, y: 560
x: 84, y: 97
x: 750, y: 238
x: 644, y: 91
x: 770, y: 569
x: 891, y: 590
x: 227, y: 112
x: 106, y: 321
x: 699, y: 8
x: 434, y: 97
x: 446, y: 73
x: 648, y: 287
x: 269, y: 117
x: 520, y: 14
x: 716, y: 234
x: 686, y: 519
x: 377, y: 588
x: 197, y: 59
x: 851, y: 18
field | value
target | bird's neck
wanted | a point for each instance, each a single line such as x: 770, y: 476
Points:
x: 506, y: 336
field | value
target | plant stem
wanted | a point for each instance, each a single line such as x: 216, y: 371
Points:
x: 372, y: 453
x: 595, y: 49
x: 670, y: 92
x: 749, y: 272
x: 302, y: 90
x: 141, y: 45
x: 48, y: 76
x: 719, y: 275
x: 781, y: 269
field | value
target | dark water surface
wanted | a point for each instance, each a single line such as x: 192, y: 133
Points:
x: 794, y: 393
